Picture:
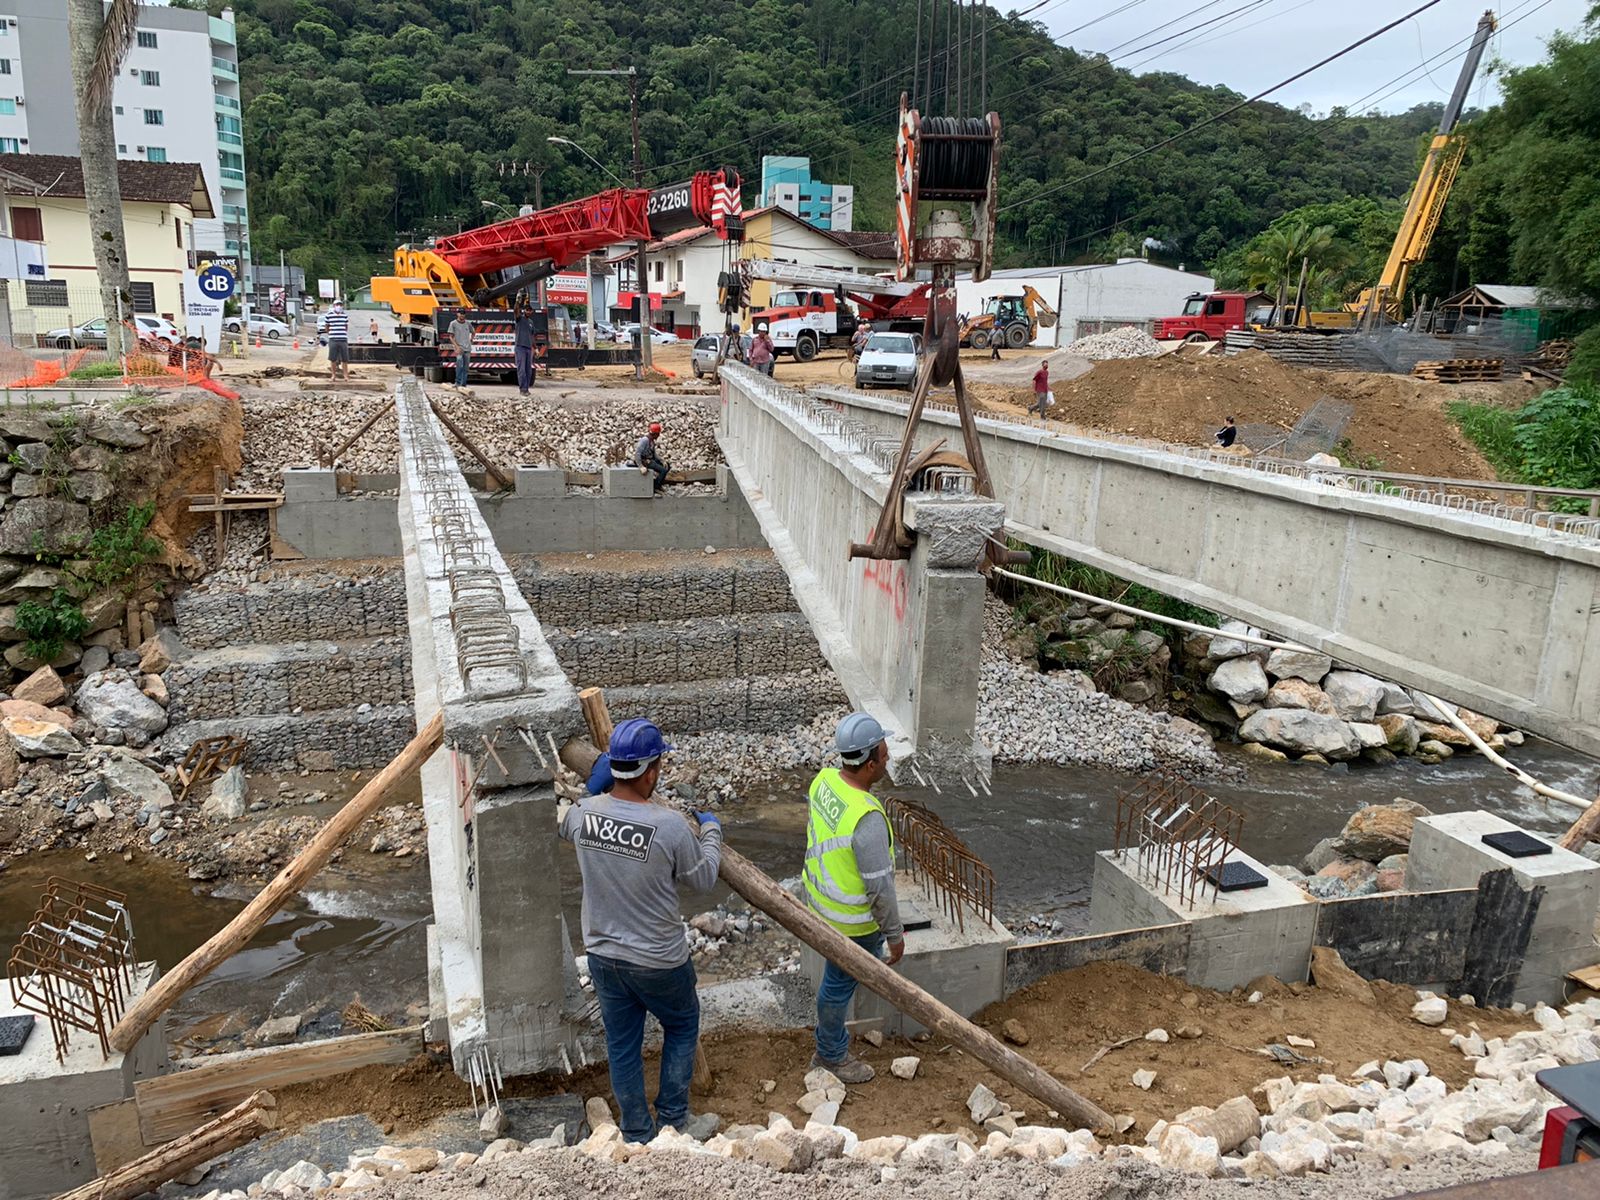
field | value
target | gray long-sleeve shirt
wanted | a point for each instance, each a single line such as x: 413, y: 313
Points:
x: 875, y: 861
x: 633, y: 856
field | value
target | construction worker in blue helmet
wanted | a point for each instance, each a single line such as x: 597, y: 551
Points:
x: 849, y: 879
x: 634, y: 854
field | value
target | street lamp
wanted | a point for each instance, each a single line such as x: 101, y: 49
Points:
x: 496, y: 204
x: 561, y: 141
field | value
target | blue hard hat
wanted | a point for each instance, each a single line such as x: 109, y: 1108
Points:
x: 635, y: 744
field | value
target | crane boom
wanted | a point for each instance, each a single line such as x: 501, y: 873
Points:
x: 462, y: 269
x: 1428, y: 196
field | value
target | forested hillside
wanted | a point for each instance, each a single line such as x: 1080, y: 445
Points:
x: 368, y: 118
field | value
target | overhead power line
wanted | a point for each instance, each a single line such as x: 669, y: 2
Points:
x: 1218, y: 116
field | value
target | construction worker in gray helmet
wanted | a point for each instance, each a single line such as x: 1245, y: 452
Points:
x: 849, y: 879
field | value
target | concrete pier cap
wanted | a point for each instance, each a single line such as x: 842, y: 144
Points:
x: 904, y: 636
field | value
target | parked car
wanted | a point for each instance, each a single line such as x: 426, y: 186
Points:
x: 267, y: 327
x: 889, y: 360
x: 707, y: 349
x: 93, y: 333
x: 628, y: 335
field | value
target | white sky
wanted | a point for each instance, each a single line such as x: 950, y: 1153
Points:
x: 1272, y: 39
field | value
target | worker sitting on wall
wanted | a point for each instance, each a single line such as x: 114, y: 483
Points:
x: 1227, y: 435
x: 633, y: 854
x: 646, y: 458
x: 849, y: 879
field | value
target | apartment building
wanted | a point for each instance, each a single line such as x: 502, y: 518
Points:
x: 176, y: 100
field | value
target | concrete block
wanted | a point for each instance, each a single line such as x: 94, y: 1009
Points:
x: 540, y: 482
x: 1447, y: 851
x: 964, y: 968
x: 628, y: 483
x: 302, y: 484
x: 1234, y: 936
x: 48, y: 1147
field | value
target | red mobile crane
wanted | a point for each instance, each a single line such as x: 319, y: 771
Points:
x: 483, y: 270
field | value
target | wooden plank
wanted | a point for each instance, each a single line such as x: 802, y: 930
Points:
x: 172, y: 1105
x: 1589, y: 977
x: 1160, y: 949
x: 1404, y: 937
x: 114, y: 1134
x: 257, y: 1114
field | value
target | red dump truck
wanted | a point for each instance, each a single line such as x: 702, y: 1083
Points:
x: 1207, y: 317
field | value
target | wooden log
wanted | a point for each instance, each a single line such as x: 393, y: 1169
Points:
x: 1584, y: 830
x: 1231, y: 1123
x: 255, y: 1115
x: 332, y: 457
x: 233, y: 936
x: 597, y: 715
x: 875, y: 975
x: 172, y: 1105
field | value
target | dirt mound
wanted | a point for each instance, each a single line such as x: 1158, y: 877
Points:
x: 192, y: 436
x: 1399, y: 423
x: 1068, y: 1016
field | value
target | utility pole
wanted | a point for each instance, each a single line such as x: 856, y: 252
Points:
x: 642, y: 275
x: 538, y: 203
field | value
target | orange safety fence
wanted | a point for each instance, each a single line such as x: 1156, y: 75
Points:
x: 155, y: 363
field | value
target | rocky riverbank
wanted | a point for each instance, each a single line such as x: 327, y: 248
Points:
x: 1298, y: 704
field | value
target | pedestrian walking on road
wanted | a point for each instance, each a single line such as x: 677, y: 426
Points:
x: 762, y: 352
x: 522, y: 346
x: 858, y: 340
x: 1041, y: 389
x: 646, y: 458
x: 337, y: 326
x: 461, y: 338
x: 849, y: 879
x: 374, y: 328
x: 633, y: 855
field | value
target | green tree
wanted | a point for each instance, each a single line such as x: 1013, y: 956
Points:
x: 1277, y: 255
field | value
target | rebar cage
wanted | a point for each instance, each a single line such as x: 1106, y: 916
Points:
x: 948, y: 871
x: 1175, y: 836
x: 76, y: 963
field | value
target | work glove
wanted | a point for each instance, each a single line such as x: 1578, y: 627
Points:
x: 563, y: 807
x: 708, y: 818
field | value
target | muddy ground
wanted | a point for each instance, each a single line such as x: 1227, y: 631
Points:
x: 1068, y: 1018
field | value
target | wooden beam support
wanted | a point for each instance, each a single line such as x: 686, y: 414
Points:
x: 495, y: 472
x: 232, y: 937
x: 174, y: 1104
x: 257, y: 1114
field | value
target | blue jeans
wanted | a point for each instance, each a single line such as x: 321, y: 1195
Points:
x: 462, y: 360
x: 626, y: 993
x: 524, y: 356
x: 833, y: 1001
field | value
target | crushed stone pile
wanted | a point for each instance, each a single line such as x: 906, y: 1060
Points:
x: 1116, y: 343
x: 580, y: 434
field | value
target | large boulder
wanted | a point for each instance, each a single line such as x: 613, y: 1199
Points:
x: 128, y: 779
x: 1301, y: 732
x: 112, y: 700
x: 1402, y: 732
x: 1298, y: 664
x: 1355, y: 696
x: 1239, y: 679
x: 1377, y: 831
x: 1297, y: 693
x: 1395, y: 699
x: 1223, y: 646
x: 44, y: 687
x: 229, y: 797
x: 39, y: 739
x: 40, y: 524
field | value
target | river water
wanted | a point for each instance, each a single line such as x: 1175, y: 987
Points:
x: 358, y: 930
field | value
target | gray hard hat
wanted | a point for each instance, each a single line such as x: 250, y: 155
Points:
x: 857, y: 734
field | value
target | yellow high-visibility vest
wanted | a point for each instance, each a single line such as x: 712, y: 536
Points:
x: 833, y: 880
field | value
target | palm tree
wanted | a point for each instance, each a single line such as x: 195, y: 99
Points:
x: 98, y: 36
x: 1275, y: 259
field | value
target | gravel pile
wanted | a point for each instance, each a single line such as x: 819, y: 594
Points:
x: 1025, y: 716
x: 580, y: 434
x: 1116, y: 343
